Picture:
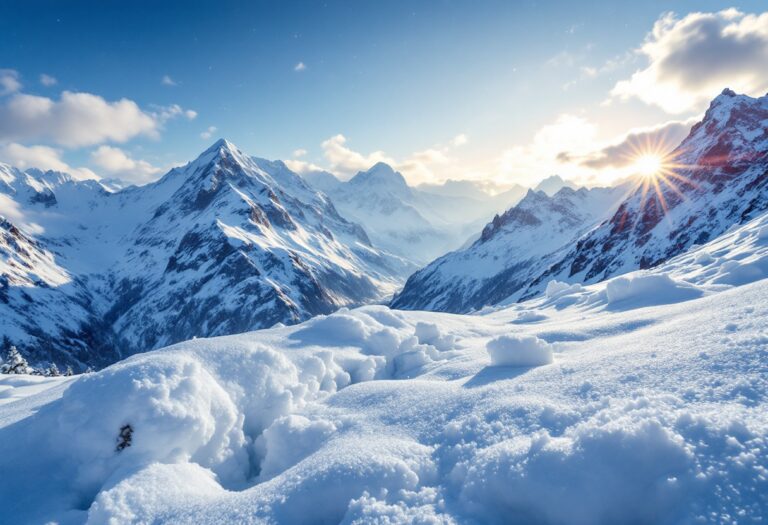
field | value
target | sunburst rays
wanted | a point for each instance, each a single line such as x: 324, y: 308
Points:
x: 657, y: 169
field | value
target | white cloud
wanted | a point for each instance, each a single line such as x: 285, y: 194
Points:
x: 299, y: 152
x: 117, y: 163
x: 570, y: 147
x: 165, y: 113
x: 537, y: 160
x: 660, y: 139
x: 346, y: 161
x: 691, y: 59
x: 77, y: 119
x: 41, y: 157
x: 459, y: 140
x: 11, y: 210
x: 429, y: 165
x: 168, y: 81
x: 302, y: 166
x: 48, y: 80
x: 208, y: 133
x: 80, y: 119
x: 300, y: 67
x: 9, y: 81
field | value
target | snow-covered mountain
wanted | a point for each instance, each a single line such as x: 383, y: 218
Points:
x: 414, y: 223
x: 716, y: 178
x: 225, y: 244
x: 510, y: 252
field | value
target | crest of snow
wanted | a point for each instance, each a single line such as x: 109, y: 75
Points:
x: 519, y: 350
x: 648, y: 289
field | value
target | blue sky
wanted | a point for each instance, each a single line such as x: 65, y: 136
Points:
x: 441, y: 89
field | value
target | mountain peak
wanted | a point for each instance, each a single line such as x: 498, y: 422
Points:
x: 222, y: 145
x: 553, y: 184
x: 381, y: 174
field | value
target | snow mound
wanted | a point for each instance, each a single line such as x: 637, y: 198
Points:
x: 600, y: 474
x: 556, y: 289
x: 648, y: 289
x: 529, y: 316
x: 519, y: 350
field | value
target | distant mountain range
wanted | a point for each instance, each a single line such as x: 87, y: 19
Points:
x: 416, y: 223
x: 718, y: 177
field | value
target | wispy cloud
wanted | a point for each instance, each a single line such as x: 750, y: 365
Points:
x: 9, y: 81
x: 528, y: 163
x: 208, y: 133
x: 76, y: 119
x: 459, y: 140
x: 117, y: 163
x: 168, y: 81
x: 300, y: 67
x: 41, y: 157
x: 662, y: 138
x: 80, y: 119
x: 346, y: 161
x: 428, y: 165
x: 48, y: 80
x: 166, y: 113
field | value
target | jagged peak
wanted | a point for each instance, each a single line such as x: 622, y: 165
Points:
x: 729, y: 97
x: 381, y: 172
x: 223, y: 149
x: 724, y: 112
x: 535, y: 195
x: 222, y: 145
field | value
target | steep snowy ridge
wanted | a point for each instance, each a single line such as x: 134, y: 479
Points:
x: 414, y: 223
x: 510, y: 252
x: 716, y: 178
x: 225, y: 244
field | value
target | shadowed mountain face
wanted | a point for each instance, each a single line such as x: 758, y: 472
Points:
x: 511, y: 251
x: 716, y: 178
x: 227, y: 243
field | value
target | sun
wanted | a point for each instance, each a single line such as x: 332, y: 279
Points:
x: 649, y: 165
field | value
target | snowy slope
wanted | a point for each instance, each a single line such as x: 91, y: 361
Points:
x: 225, y: 244
x: 510, y: 252
x: 641, y: 400
x: 414, y: 223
